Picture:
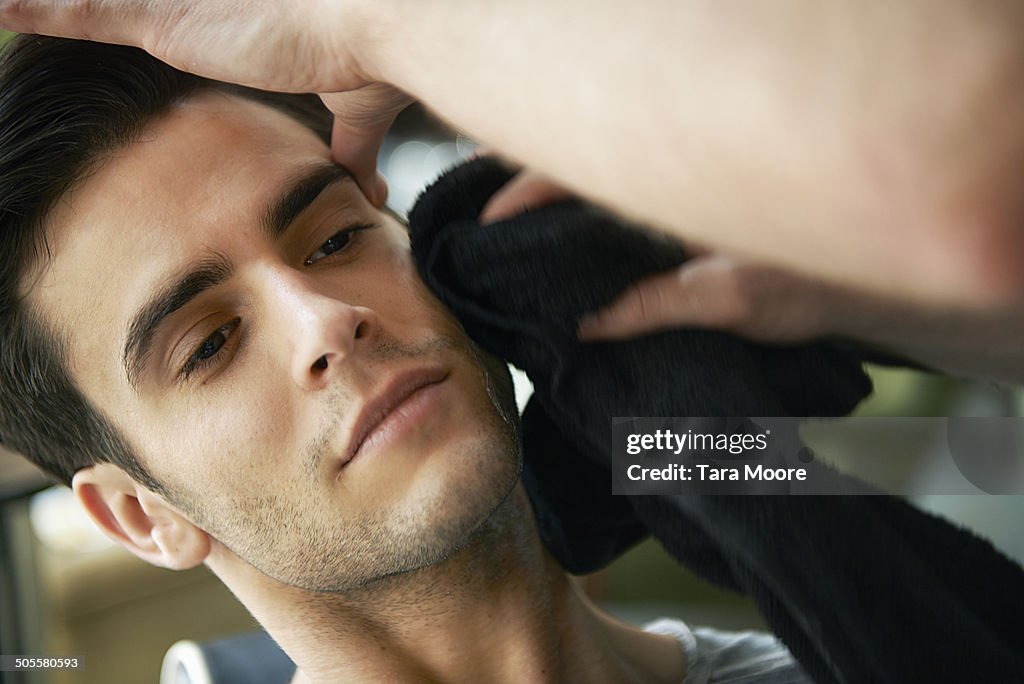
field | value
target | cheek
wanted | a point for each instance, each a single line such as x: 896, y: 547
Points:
x: 226, y: 443
x: 404, y: 297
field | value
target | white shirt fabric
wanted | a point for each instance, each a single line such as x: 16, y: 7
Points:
x: 717, y: 657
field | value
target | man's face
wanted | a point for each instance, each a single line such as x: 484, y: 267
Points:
x: 235, y: 306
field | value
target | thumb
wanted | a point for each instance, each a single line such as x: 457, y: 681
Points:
x: 362, y: 118
x: 688, y: 296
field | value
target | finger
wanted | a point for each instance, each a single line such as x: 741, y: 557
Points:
x: 697, y: 294
x: 526, y: 191
x: 362, y: 118
x: 113, y: 21
x: 211, y: 38
x: 356, y: 149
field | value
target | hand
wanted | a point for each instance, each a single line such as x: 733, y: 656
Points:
x: 709, y: 291
x: 725, y: 293
x: 771, y: 305
x: 304, y: 46
x: 361, y: 120
x: 776, y: 306
x: 527, y: 190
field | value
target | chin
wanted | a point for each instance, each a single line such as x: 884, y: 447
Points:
x: 439, y: 514
x: 472, y: 482
x: 443, y: 517
x: 448, y: 520
x: 420, y: 510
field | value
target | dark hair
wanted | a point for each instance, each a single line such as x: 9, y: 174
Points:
x: 64, y: 105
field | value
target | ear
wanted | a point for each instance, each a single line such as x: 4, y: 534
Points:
x: 139, y: 520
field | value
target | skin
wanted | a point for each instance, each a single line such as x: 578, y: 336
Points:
x: 837, y: 185
x: 873, y: 145
x: 416, y: 561
x: 777, y: 306
x: 759, y: 301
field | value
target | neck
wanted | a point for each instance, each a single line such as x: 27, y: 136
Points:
x: 500, y: 609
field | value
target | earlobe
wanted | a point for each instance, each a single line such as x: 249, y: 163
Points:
x: 139, y: 520
x: 181, y: 543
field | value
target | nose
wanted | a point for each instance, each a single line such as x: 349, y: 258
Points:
x: 320, y: 332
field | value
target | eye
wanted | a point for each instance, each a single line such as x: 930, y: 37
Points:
x: 337, y: 242
x: 208, y: 351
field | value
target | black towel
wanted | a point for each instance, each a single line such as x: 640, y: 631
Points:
x: 860, y: 588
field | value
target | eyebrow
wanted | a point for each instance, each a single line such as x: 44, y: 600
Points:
x: 142, y: 330
x: 212, y: 271
x: 298, y: 195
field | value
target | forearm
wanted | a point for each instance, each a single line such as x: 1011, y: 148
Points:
x: 857, y: 142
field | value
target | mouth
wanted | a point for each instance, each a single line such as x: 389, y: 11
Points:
x: 405, y: 401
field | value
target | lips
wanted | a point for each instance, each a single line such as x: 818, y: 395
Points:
x: 375, y: 411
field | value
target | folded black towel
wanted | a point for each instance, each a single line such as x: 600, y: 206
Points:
x: 860, y: 588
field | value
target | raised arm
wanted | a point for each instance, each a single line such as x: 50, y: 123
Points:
x: 875, y: 144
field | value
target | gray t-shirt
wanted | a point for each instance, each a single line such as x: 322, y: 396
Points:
x: 716, y: 657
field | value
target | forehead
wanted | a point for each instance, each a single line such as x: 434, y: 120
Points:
x: 202, y: 171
